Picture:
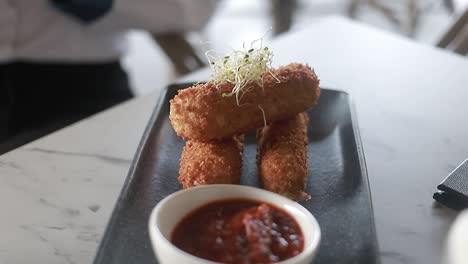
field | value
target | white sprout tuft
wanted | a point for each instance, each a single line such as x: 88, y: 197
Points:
x: 264, y: 116
x: 241, y: 67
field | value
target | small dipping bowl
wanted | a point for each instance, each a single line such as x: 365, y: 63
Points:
x: 170, y: 211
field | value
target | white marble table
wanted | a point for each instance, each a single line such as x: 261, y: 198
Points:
x: 56, y: 194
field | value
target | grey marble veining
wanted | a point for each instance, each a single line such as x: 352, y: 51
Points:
x: 104, y: 158
x: 57, y: 193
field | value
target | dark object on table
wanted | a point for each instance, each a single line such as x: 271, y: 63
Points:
x: 283, y: 15
x: 453, y: 190
x: 39, y: 98
x: 338, y: 184
x: 456, y: 37
x: 179, y: 50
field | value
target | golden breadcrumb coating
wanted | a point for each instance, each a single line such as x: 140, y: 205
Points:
x: 202, y: 113
x: 211, y: 162
x: 282, y: 157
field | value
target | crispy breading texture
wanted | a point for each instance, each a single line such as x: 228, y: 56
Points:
x: 282, y: 157
x: 211, y: 162
x: 202, y: 113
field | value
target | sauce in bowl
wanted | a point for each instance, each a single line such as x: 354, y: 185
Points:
x: 239, y: 231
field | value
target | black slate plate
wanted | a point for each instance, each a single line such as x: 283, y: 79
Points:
x: 338, y: 184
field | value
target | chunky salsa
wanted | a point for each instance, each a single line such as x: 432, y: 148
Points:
x: 239, y: 231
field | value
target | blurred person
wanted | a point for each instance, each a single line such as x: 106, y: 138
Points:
x: 60, y: 59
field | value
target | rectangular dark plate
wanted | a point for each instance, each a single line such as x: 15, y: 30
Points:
x: 337, y: 182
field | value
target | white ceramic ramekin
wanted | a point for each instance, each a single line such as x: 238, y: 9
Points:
x: 168, y: 212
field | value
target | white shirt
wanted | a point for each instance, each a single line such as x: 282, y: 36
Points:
x: 33, y: 30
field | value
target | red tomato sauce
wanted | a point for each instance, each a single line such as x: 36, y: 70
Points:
x: 239, y: 231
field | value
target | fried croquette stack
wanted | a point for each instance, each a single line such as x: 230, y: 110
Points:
x: 282, y: 156
x: 211, y: 162
x: 202, y: 113
x: 213, y: 126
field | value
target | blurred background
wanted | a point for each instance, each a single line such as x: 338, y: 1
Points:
x: 104, y: 60
x: 236, y: 21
